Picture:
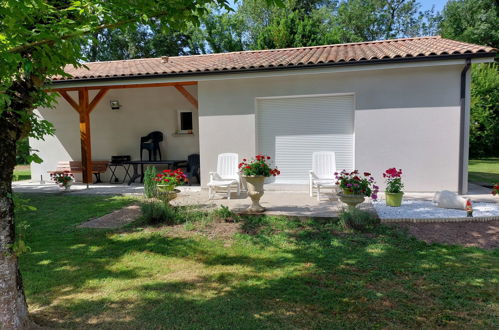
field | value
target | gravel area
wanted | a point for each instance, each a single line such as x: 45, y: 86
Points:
x: 478, y: 234
x: 417, y: 209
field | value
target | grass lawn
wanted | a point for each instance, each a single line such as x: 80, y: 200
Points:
x: 22, y: 172
x: 484, y: 170
x: 260, y: 273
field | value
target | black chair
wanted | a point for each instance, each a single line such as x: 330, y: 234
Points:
x: 193, y: 168
x: 150, y: 142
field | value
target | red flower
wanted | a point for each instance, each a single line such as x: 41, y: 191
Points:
x: 268, y: 157
x: 367, y: 174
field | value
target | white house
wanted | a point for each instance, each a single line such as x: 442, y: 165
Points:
x: 395, y: 103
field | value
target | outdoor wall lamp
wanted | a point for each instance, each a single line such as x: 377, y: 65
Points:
x: 115, y: 104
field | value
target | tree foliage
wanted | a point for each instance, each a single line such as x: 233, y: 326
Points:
x: 477, y: 21
x: 256, y: 25
x: 484, y: 128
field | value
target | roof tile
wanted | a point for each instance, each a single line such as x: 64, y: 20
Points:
x: 288, y: 57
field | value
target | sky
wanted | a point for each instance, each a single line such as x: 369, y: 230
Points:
x: 427, y: 4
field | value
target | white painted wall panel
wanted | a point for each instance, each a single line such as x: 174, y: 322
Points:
x: 404, y: 117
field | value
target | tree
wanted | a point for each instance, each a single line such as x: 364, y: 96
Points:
x: 314, y: 22
x: 139, y: 41
x: 38, y: 38
x: 484, y: 127
x: 477, y: 21
x: 368, y: 20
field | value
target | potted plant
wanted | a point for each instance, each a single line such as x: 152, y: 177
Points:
x: 167, y: 181
x: 64, y: 180
x: 254, y: 172
x: 355, y: 187
x: 394, y: 187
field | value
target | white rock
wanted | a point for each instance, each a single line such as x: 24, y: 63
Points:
x: 449, y: 200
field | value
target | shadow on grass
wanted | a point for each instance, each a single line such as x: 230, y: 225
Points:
x: 483, y: 177
x: 282, y: 273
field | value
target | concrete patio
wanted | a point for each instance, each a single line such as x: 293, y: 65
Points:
x: 278, y: 199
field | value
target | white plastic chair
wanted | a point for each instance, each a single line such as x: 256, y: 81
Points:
x: 226, y: 177
x: 322, y: 173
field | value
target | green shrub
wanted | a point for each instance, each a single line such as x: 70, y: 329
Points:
x: 224, y: 213
x: 358, y: 219
x: 149, y: 183
x: 155, y: 212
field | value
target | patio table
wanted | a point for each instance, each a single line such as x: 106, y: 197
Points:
x: 135, y: 164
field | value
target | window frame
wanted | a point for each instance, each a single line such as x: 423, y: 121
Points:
x: 179, y: 122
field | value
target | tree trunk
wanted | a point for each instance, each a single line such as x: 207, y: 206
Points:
x: 13, y: 307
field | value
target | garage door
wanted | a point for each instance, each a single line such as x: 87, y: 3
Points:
x: 290, y: 129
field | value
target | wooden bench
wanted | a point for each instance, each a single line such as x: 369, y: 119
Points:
x: 98, y: 167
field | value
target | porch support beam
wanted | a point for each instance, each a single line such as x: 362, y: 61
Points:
x: 192, y: 100
x: 86, y: 146
x: 72, y: 89
x: 70, y: 100
x: 84, y: 106
x: 97, y: 99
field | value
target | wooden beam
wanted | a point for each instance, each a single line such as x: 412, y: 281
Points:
x: 70, y: 100
x: 184, y: 83
x: 97, y: 99
x: 86, y: 146
x: 188, y: 96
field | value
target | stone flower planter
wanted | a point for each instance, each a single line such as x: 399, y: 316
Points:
x: 255, y: 192
x: 65, y: 187
x: 166, y: 194
x: 351, y: 200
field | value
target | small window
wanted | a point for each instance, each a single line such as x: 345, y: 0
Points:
x: 185, y: 121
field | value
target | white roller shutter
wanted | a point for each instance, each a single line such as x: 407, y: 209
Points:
x: 290, y: 129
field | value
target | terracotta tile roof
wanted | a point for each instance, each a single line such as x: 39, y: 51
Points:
x: 376, y: 51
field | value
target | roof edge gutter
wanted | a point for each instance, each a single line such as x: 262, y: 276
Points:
x: 462, y: 126
x: 279, y: 68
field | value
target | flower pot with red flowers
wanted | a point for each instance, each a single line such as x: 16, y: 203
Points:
x: 167, y: 182
x: 63, y: 180
x: 355, y: 187
x: 254, y: 172
x: 495, y: 189
x: 394, y: 186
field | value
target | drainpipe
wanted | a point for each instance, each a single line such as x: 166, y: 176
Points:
x: 462, y: 128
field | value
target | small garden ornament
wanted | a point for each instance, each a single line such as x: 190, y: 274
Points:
x: 394, y: 186
x: 469, y: 209
x: 167, y: 182
x: 63, y: 180
x: 356, y: 187
x: 254, y: 172
x: 495, y: 189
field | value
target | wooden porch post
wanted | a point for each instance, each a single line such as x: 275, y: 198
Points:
x: 84, y: 107
x: 86, y: 147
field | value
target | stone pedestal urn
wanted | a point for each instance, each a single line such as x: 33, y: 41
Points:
x: 351, y: 200
x: 66, y: 186
x: 255, y: 192
x: 165, y: 194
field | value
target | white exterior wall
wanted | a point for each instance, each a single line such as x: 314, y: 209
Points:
x: 118, y: 132
x: 406, y: 118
